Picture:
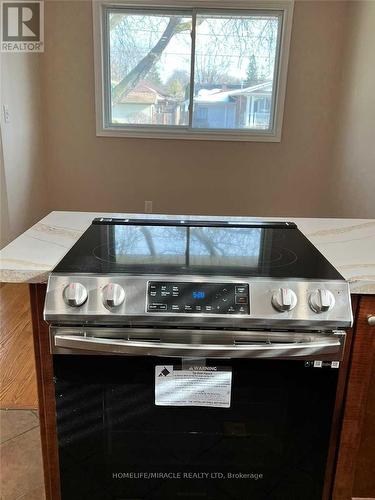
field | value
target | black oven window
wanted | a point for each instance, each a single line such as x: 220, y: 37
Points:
x: 116, y: 444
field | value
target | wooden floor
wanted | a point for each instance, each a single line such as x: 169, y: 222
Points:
x: 17, y: 366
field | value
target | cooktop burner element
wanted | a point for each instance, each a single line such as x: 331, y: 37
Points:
x: 197, y: 273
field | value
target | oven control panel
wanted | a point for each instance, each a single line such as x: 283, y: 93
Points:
x: 199, y: 302
x: 197, y: 298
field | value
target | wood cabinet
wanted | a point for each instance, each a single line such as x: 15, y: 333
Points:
x: 351, y: 463
x: 46, y: 393
x: 355, y: 466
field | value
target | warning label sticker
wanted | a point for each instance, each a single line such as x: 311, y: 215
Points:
x: 194, y: 386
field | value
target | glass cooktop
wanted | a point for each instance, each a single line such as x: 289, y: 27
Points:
x: 265, y: 249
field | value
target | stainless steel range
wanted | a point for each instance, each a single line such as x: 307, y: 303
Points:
x: 195, y: 347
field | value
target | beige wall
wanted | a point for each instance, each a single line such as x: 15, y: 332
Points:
x: 23, y: 182
x: 86, y: 172
x: 324, y: 165
x: 353, y: 179
x: 4, y: 215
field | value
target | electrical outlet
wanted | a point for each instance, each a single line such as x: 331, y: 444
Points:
x: 6, y: 113
x: 148, y: 207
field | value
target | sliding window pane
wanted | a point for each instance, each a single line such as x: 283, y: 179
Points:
x: 235, y: 61
x: 150, y: 58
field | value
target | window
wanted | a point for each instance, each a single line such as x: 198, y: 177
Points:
x: 211, y: 73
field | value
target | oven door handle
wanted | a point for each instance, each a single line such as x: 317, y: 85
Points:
x: 328, y: 347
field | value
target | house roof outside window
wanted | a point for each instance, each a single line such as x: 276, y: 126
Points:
x: 210, y: 96
x: 145, y: 92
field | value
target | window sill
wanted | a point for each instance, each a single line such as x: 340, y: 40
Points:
x: 214, y: 135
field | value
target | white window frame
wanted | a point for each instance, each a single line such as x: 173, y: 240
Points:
x: 280, y: 77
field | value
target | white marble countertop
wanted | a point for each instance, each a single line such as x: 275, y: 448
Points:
x: 349, y: 244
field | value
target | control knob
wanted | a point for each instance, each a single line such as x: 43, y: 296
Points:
x: 321, y: 300
x: 284, y: 299
x: 75, y: 294
x: 113, y: 295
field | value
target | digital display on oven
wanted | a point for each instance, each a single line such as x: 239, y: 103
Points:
x: 201, y: 298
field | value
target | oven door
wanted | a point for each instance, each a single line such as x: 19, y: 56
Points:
x: 116, y: 443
